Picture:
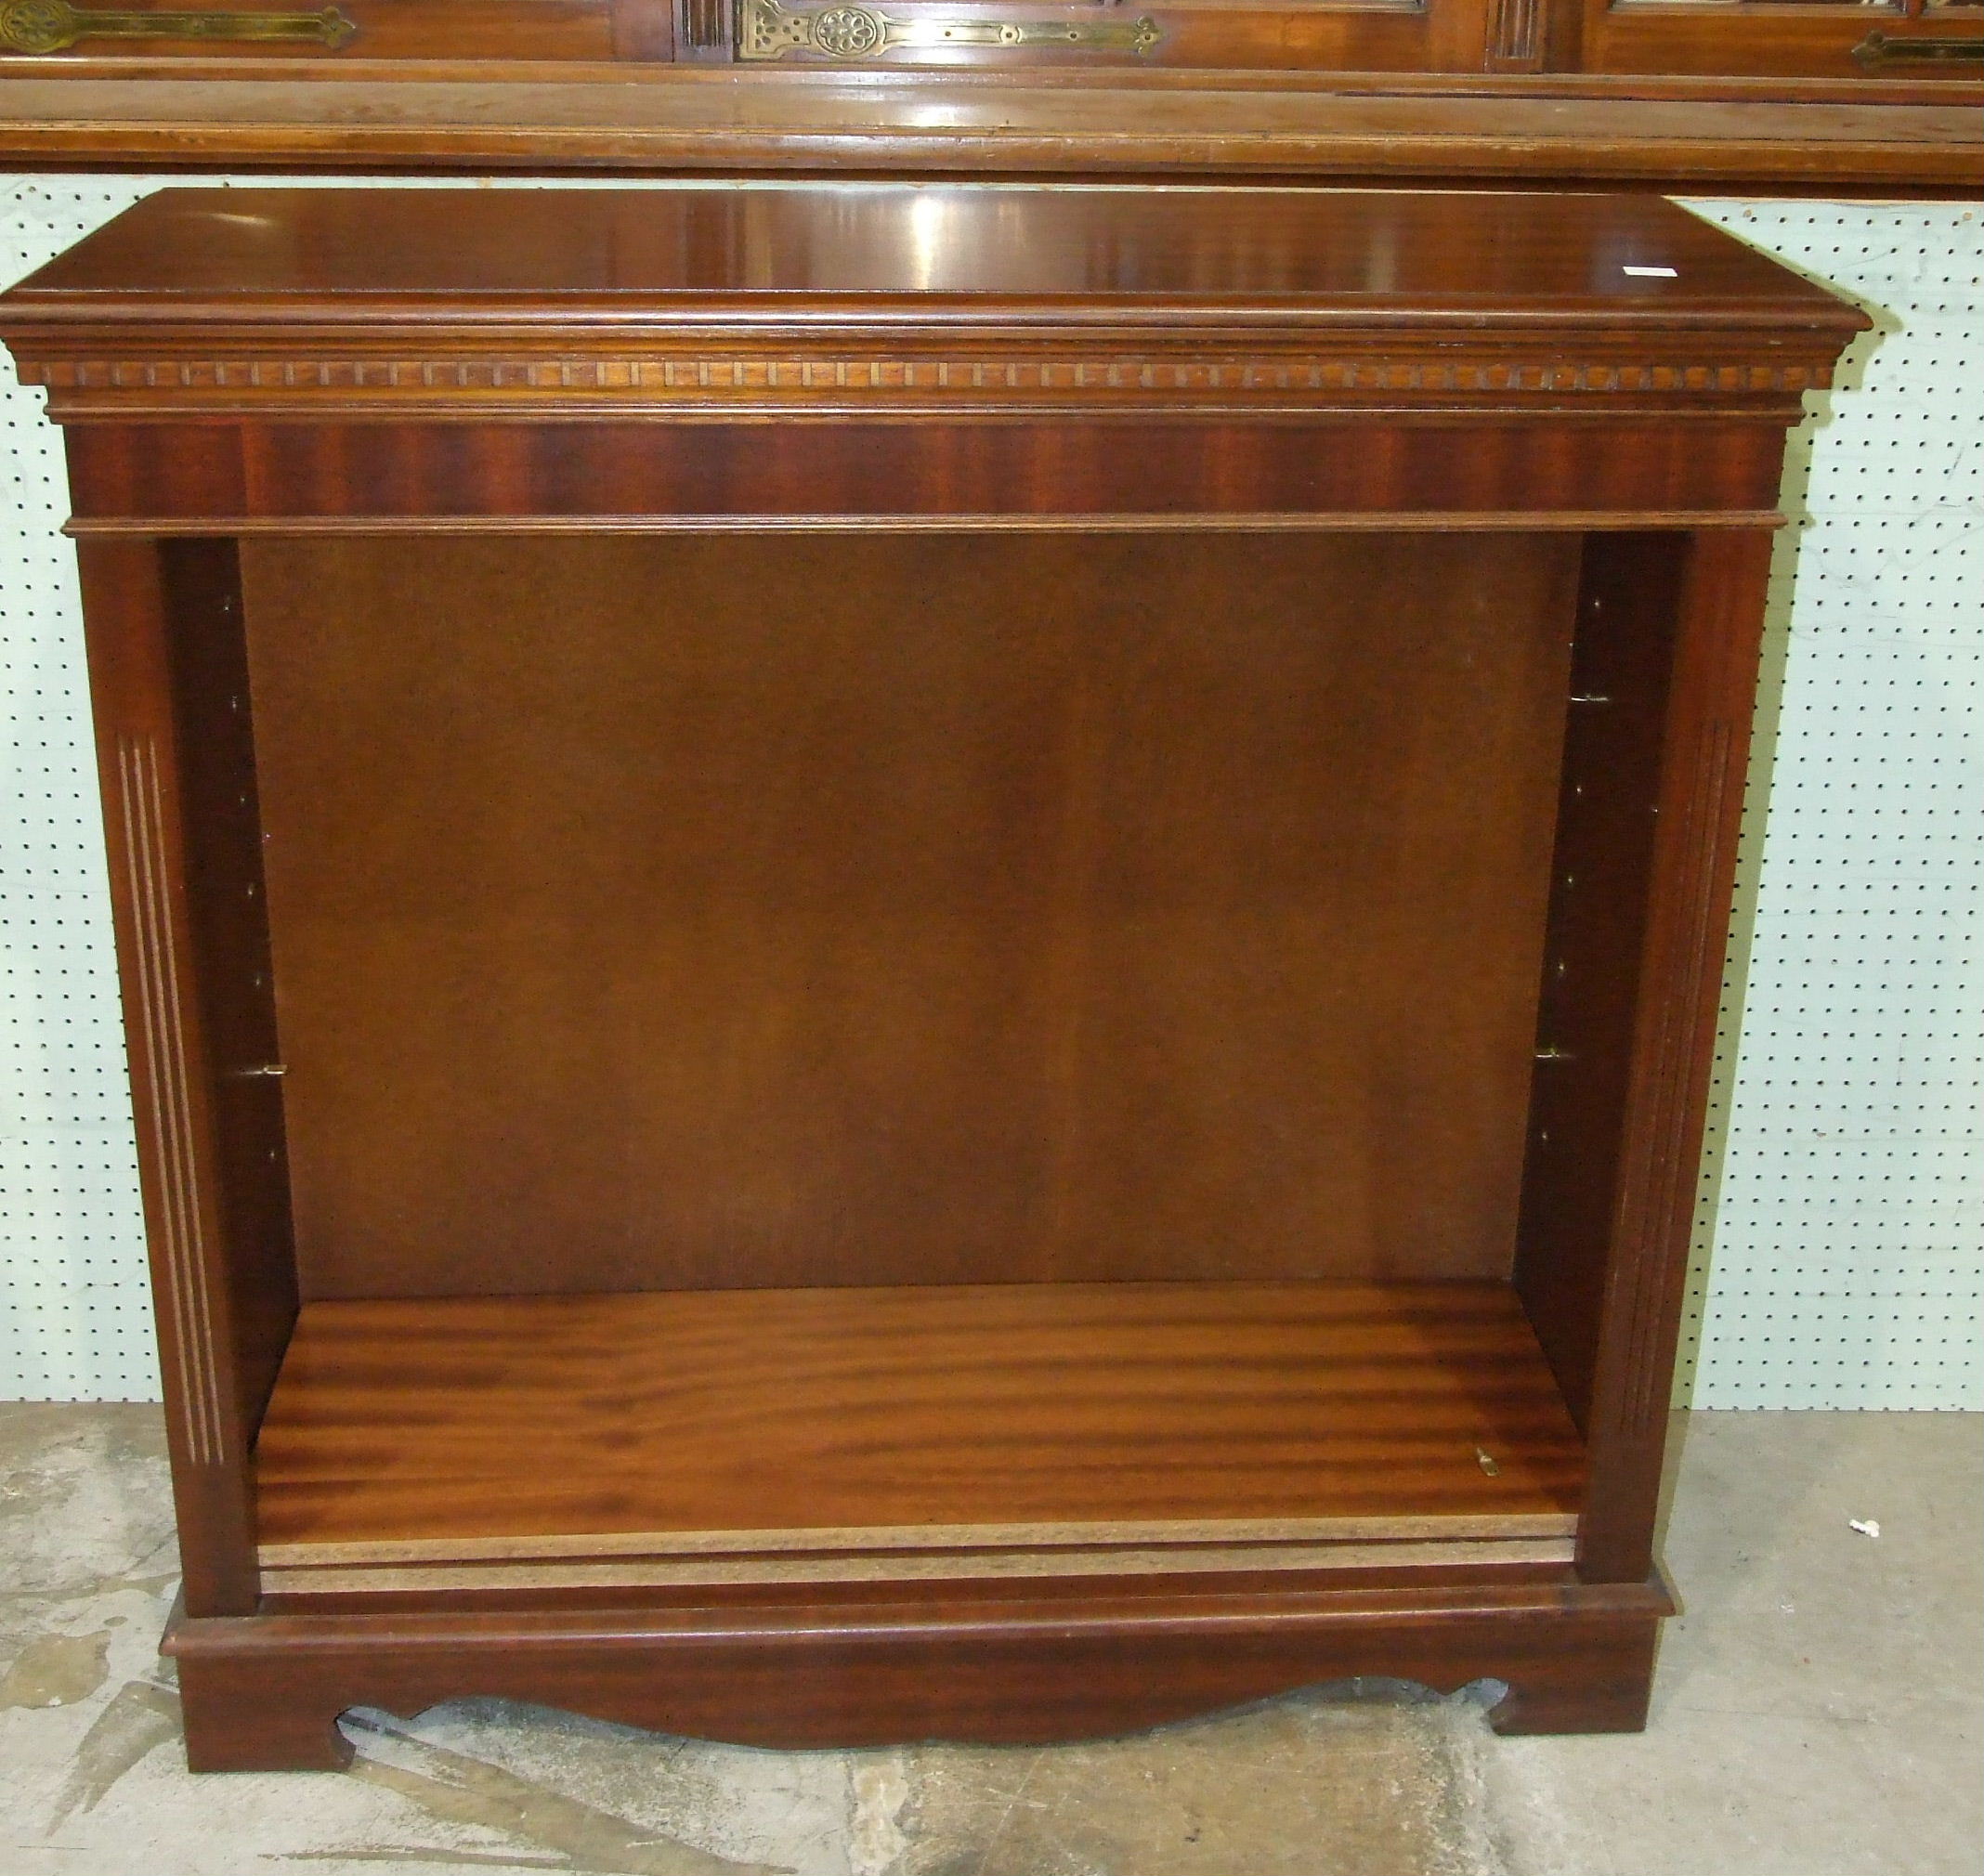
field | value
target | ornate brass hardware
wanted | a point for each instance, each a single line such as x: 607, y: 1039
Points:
x: 1882, y: 48
x: 771, y: 31
x: 54, y: 25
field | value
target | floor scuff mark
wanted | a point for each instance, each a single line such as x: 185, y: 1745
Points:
x: 458, y: 1790
x: 875, y: 1839
x: 139, y: 1718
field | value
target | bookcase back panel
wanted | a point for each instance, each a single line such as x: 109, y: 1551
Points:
x: 914, y: 909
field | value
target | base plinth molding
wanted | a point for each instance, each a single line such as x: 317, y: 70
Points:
x: 263, y: 1693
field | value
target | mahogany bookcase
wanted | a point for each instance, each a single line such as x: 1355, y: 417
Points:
x: 917, y: 961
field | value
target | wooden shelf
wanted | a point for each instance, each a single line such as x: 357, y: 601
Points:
x: 1391, y: 127
x: 842, y: 1434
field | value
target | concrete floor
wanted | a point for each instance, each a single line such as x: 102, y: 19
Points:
x: 1815, y: 1715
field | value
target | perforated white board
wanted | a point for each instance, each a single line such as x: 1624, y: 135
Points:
x: 1843, y: 1221
x: 1846, y: 1267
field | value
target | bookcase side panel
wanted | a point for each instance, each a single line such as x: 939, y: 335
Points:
x: 207, y: 1122
x: 1704, y: 748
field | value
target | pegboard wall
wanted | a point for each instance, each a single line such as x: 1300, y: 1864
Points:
x: 1841, y: 1252
x: 1840, y: 1259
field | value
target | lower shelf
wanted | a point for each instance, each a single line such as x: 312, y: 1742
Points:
x: 906, y: 1433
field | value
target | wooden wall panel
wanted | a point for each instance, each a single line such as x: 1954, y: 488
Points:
x: 929, y: 909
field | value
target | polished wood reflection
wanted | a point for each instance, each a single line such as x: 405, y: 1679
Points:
x: 920, y: 1418
x: 601, y: 256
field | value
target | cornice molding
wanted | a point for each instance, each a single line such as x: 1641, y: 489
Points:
x: 1150, y: 381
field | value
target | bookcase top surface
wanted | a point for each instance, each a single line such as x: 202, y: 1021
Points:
x: 968, y: 251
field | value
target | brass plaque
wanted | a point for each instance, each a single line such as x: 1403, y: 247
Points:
x: 35, y: 26
x: 769, y: 30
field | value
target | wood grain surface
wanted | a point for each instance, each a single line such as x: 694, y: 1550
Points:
x: 264, y: 1693
x: 940, y: 252
x: 663, y: 913
x: 162, y: 623
x: 917, y: 301
x: 1411, y: 472
x: 910, y: 1419
x: 1606, y: 821
x: 1873, y: 134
